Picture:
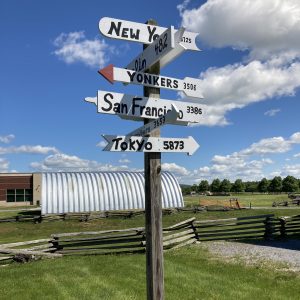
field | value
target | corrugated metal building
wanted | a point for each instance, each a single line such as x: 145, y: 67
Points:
x: 102, y: 191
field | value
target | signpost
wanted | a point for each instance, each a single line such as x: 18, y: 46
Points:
x: 128, y: 143
x: 139, y: 32
x: 169, y: 118
x: 139, y: 108
x: 161, y: 45
x: 164, y: 49
x: 190, y: 86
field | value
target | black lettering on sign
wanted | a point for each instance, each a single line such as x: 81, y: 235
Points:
x: 116, y: 142
x: 124, y: 146
x: 107, y: 98
x: 151, y: 32
x: 131, y: 145
x: 131, y: 75
x: 140, y: 144
x: 148, y: 146
x: 114, y: 27
x: 139, y: 64
x: 124, y: 32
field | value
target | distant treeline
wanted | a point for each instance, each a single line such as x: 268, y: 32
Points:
x: 289, y: 184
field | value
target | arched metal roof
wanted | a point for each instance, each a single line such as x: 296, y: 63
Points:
x: 66, y: 192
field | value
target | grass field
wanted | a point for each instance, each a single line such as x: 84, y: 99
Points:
x: 258, y: 200
x: 190, y: 273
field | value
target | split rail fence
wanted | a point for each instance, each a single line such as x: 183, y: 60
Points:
x: 133, y: 240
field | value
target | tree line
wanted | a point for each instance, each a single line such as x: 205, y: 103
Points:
x: 289, y: 184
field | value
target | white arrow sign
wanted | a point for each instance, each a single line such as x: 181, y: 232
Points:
x: 150, y: 144
x: 139, y: 108
x: 139, y: 32
x: 164, y: 49
x: 190, y: 86
x: 169, y: 118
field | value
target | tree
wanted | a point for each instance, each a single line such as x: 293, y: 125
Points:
x: 215, y: 185
x: 203, y: 186
x: 238, y: 186
x: 263, y: 185
x: 251, y: 186
x: 225, y: 186
x: 289, y: 184
x: 275, y: 185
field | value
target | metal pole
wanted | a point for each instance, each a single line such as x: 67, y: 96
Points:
x: 153, y: 207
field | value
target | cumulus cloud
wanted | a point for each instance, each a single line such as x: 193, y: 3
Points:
x: 124, y: 161
x: 75, y: 47
x: 176, y: 169
x: 265, y: 31
x: 6, y: 139
x: 4, y: 165
x: 248, y: 163
x: 64, y: 162
x: 101, y: 144
x: 266, y: 28
x: 27, y: 149
x: 272, y: 112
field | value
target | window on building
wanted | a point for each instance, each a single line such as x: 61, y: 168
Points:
x: 19, y: 195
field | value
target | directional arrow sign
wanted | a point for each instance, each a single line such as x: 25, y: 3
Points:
x: 169, y: 118
x: 150, y: 144
x: 190, y: 86
x: 139, y: 32
x: 164, y: 49
x: 139, y: 108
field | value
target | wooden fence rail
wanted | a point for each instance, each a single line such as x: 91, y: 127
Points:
x: 132, y: 240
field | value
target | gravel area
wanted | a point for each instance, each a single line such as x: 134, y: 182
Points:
x: 282, y: 255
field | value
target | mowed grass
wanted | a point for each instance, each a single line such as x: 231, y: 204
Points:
x: 190, y: 273
x: 257, y: 200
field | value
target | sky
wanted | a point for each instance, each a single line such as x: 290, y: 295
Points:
x: 249, y: 69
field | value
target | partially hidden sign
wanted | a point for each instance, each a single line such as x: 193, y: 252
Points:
x: 139, y: 32
x: 139, y: 108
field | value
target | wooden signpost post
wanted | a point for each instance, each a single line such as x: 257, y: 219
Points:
x: 160, y: 46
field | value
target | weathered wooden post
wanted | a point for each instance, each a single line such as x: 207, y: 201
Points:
x: 153, y: 206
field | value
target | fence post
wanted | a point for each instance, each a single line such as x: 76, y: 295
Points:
x: 282, y: 221
x: 268, y: 229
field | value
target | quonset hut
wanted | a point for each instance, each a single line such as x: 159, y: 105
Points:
x: 102, y: 191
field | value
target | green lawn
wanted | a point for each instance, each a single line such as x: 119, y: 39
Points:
x: 259, y: 200
x: 190, y: 273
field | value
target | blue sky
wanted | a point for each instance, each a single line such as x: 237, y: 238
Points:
x: 249, y: 69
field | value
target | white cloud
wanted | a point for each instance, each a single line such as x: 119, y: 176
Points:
x: 266, y: 31
x: 75, y: 47
x: 236, y: 86
x: 27, y: 149
x: 272, y: 112
x: 176, y: 169
x: 7, y: 138
x: 65, y: 162
x: 266, y: 28
x: 4, y: 165
x: 242, y: 165
x: 101, y: 144
x: 297, y: 155
x: 293, y: 170
x: 124, y: 161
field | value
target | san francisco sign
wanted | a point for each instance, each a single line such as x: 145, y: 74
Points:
x: 139, y: 108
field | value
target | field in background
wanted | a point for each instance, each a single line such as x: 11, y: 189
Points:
x: 256, y: 200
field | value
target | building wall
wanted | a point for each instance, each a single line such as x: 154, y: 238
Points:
x: 16, y: 182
